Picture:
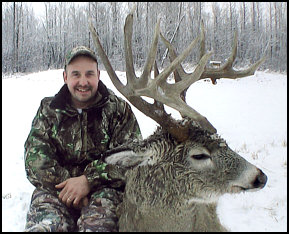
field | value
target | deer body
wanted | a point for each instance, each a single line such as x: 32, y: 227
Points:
x: 164, y: 210
x: 186, y: 218
x: 175, y: 177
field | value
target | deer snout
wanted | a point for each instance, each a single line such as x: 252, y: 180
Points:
x: 261, y: 180
x: 250, y: 180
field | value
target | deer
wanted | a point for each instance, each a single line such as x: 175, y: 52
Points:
x: 175, y: 177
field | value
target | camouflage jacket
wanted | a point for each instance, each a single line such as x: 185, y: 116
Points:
x: 64, y: 143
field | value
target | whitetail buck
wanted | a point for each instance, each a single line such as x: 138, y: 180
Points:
x: 175, y: 177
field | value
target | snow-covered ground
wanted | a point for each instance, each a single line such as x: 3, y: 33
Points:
x: 250, y: 113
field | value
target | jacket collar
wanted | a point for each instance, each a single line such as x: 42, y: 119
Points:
x: 62, y: 99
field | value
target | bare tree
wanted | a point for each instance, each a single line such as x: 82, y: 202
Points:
x: 31, y: 43
x: 17, y: 13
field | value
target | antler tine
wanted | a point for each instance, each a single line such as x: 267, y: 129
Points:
x: 151, y: 57
x: 195, y: 76
x: 132, y: 79
x: 175, y: 63
x: 116, y: 82
x: 179, y: 73
x: 172, y: 55
x: 156, y: 73
x: 130, y: 72
x: 186, y: 80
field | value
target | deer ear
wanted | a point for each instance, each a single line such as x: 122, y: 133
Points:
x: 126, y: 159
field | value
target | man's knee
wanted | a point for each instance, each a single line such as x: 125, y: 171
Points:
x: 39, y: 227
x: 100, y: 214
x: 48, y: 214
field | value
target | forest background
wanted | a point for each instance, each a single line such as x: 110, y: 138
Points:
x: 33, y: 43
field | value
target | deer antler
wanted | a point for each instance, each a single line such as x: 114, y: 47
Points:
x: 158, y: 88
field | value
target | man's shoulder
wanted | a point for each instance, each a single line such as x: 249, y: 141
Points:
x: 47, y: 108
x: 58, y: 102
x: 47, y: 100
x: 46, y: 103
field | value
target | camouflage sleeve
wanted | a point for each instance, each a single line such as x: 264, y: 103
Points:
x: 95, y: 172
x: 42, y: 168
x: 124, y: 127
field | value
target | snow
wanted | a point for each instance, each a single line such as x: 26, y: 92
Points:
x: 249, y: 113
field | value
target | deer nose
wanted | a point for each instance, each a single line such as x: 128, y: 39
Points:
x: 261, y: 180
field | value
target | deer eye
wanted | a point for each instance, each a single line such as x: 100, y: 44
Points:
x: 200, y: 156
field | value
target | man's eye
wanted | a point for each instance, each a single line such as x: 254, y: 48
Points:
x: 90, y: 74
x: 75, y: 75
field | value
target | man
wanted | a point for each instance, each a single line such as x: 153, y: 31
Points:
x: 75, y: 189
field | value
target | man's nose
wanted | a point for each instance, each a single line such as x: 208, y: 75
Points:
x: 83, y: 81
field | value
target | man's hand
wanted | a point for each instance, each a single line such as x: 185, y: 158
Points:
x: 83, y: 202
x: 74, y: 191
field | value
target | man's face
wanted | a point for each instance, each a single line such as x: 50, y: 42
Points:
x: 82, y: 77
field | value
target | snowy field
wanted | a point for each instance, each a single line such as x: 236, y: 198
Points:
x: 250, y: 113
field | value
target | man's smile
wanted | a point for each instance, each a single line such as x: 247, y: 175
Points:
x: 83, y: 90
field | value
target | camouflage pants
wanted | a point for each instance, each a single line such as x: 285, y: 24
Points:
x: 48, y: 214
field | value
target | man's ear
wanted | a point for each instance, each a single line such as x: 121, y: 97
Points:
x: 64, y: 77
